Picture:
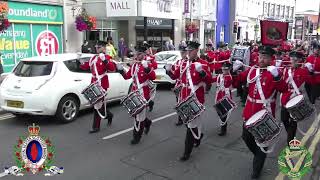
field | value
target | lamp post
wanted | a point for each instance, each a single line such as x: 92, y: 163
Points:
x: 191, y: 9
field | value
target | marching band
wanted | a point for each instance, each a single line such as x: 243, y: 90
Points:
x: 270, y: 70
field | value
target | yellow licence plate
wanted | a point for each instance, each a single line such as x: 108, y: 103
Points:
x: 158, y: 77
x: 16, y: 104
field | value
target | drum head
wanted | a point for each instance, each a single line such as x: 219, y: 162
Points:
x: 254, y: 118
x: 294, y: 101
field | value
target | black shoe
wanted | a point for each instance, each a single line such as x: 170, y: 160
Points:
x: 151, y: 103
x: 179, y: 123
x: 134, y: 141
x: 223, y: 130
x: 198, y: 142
x: 184, y: 157
x: 148, y: 125
x: 94, y: 131
x: 110, y: 117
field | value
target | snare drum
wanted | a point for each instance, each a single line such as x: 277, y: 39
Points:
x: 224, y: 106
x: 189, y: 109
x: 264, y: 127
x: 94, y: 93
x: 134, y: 103
x: 299, y: 108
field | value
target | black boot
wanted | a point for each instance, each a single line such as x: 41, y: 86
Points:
x: 258, y: 162
x: 198, y: 141
x: 188, y: 145
x: 180, y: 122
x: 223, y: 130
x: 109, y: 117
x: 151, y: 103
x: 136, y: 137
x: 185, y: 157
x: 94, y: 131
x: 148, y: 123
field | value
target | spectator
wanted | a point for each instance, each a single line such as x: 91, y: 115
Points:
x: 1, y: 64
x: 122, y: 49
x: 171, y: 46
x: 110, y: 48
x: 166, y: 46
x: 85, y: 48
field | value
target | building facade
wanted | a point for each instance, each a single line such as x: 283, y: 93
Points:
x: 37, y: 28
x: 155, y: 21
x: 306, y: 24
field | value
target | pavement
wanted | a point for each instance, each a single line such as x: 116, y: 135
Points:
x: 108, y: 155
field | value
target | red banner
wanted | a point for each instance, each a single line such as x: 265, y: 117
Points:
x: 273, y: 32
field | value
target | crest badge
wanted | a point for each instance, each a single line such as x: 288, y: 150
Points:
x: 33, y: 153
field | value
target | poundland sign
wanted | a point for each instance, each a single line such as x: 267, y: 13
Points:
x: 35, y: 13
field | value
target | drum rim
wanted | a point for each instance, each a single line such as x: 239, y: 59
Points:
x: 249, y: 120
x: 290, y: 101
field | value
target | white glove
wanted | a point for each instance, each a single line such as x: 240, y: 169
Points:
x: 273, y: 70
x: 237, y: 65
x: 198, y: 66
x: 278, y: 63
x: 119, y: 67
x: 168, y: 67
x: 144, y: 64
x: 102, y: 56
x: 309, y: 66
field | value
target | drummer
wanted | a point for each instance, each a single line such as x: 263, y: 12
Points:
x: 299, y: 75
x: 195, y: 74
x: 224, y: 83
x: 140, y: 72
x: 263, y: 83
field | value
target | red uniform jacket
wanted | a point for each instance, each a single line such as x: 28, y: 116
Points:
x: 138, y: 69
x: 176, y: 66
x: 212, y: 59
x: 152, y: 60
x: 315, y: 61
x: 221, y: 91
x: 300, y: 76
x: 102, y: 68
x: 181, y: 74
x: 269, y: 89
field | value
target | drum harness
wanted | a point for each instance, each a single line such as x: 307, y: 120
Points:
x: 99, y: 77
x: 221, y: 87
x: 266, y: 103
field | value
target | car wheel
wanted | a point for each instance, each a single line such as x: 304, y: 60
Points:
x: 68, y: 109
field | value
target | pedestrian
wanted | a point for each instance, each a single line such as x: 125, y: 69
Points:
x: 313, y: 65
x: 171, y: 46
x: 85, y: 48
x: 224, y: 84
x: 264, y: 81
x: 122, y: 49
x: 110, y: 50
x: 166, y: 46
x: 194, y: 76
x: 140, y: 72
x: 295, y: 76
x: 99, y: 65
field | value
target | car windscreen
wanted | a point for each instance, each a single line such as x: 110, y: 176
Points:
x: 166, y: 57
x: 33, y: 68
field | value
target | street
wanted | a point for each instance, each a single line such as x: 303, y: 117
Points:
x: 108, y: 155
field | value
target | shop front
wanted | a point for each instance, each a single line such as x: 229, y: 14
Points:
x: 159, y: 31
x: 36, y: 30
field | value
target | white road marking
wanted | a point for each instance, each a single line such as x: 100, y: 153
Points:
x: 130, y: 129
x: 6, y: 116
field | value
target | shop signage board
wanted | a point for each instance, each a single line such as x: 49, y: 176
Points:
x: 120, y: 8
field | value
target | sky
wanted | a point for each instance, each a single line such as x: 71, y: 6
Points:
x: 303, y: 5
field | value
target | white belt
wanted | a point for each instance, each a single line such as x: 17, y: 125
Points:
x: 316, y: 72
x: 259, y: 101
x: 195, y: 87
x: 101, y: 76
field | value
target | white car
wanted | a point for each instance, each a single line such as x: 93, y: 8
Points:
x: 52, y: 85
x: 163, y: 58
